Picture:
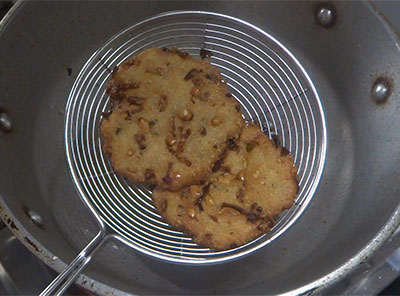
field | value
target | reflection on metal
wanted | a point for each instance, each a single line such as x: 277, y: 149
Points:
x: 34, y: 216
x: 5, y: 122
x: 381, y: 90
x: 326, y: 15
x: 21, y: 273
x: 7, y: 282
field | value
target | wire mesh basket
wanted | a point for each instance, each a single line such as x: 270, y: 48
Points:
x: 272, y: 87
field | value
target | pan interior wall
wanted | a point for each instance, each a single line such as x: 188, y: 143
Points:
x: 357, y: 193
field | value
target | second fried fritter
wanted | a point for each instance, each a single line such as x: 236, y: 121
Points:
x: 240, y: 201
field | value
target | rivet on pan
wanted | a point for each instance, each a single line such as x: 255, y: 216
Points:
x: 381, y: 90
x: 326, y: 15
x: 5, y: 122
x: 34, y: 216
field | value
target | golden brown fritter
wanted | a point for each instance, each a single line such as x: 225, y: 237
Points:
x: 172, y: 119
x: 254, y: 183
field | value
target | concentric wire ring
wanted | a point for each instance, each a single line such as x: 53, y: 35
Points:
x: 270, y: 84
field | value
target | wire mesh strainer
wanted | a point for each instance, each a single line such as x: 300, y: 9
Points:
x: 272, y: 88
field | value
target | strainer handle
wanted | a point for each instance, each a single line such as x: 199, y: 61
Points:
x: 62, y: 282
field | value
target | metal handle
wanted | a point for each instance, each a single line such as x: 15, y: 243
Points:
x: 68, y: 276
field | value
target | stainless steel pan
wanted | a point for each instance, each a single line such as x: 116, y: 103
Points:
x: 351, y: 56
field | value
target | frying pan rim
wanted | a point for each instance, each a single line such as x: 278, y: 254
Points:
x: 58, y: 265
